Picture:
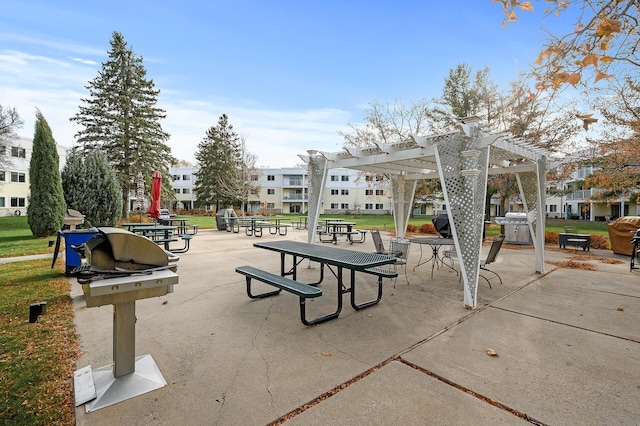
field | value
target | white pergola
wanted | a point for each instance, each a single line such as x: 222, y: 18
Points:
x: 462, y: 160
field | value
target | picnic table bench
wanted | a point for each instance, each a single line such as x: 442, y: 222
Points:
x: 303, y: 291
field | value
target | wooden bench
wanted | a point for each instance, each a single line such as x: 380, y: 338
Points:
x: 303, y: 291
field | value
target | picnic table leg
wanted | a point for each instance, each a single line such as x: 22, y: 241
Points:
x: 363, y: 305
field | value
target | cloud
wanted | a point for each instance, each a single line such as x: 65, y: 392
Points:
x: 56, y: 88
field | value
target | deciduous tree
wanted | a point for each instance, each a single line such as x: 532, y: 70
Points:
x: 46, y: 201
x: 9, y: 122
x: 120, y: 118
x: 602, y: 42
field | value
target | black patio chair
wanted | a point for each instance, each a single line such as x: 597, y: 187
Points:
x: 377, y: 241
x: 491, y: 257
x: 399, y: 248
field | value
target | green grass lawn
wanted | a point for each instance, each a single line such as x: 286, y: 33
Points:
x: 16, y: 238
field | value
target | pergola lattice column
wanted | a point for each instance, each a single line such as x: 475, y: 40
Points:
x: 463, y: 175
x: 318, y: 169
x: 532, y: 193
x: 402, y: 192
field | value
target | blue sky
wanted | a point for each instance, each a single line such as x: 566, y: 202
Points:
x: 288, y: 73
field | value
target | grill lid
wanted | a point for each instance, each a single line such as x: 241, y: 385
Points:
x: 116, y: 252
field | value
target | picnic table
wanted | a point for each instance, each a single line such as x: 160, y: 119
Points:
x: 181, y: 224
x: 435, y: 243
x: 159, y: 234
x: 335, y: 228
x: 341, y: 259
x: 253, y: 225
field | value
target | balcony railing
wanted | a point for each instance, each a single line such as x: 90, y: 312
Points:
x: 295, y: 197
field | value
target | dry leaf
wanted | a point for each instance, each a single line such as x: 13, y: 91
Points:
x: 492, y: 352
x: 526, y: 6
x: 591, y: 59
x: 327, y: 354
x: 620, y: 308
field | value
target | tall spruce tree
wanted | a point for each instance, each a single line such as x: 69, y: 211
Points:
x: 73, y: 181
x: 120, y: 119
x: 219, y: 156
x: 46, y: 203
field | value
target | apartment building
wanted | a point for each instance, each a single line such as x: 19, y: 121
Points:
x: 15, y: 158
x: 286, y: 190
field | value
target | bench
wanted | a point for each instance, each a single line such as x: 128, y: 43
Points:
x: 381, y: 272
x: 278, y: 229
x: 303, y: 291
x: 570, y: 237
x: 334, y: 236
x: 186, y: 238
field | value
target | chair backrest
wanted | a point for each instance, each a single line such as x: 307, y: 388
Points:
x: 377, y: 240
x: 400, y: 248
x: 495, y: 248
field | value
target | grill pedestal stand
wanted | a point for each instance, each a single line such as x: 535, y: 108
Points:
x: 128, y: 376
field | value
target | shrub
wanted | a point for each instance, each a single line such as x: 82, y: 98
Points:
x: 411, y: 228
x: 551, y: 238
x: 427, y: 228
x: 599, y: 242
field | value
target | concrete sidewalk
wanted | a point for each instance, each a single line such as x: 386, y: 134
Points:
x: 567, y: 345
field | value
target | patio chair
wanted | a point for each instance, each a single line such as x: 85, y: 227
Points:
x: 399, y: 248
x: 491, y: 257
x: 377, y: 241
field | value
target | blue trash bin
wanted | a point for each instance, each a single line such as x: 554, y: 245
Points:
x: 72, y: 237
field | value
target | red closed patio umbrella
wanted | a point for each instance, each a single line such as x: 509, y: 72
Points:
x: 156, y: 183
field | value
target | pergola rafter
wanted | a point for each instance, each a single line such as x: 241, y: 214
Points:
x: 462, y: 160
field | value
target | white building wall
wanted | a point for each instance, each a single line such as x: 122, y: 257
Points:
x: 14, y: 175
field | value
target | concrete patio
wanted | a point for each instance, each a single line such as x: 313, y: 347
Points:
x: 567, y: 345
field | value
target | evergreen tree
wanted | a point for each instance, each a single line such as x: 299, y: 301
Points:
x: 120, y: 119
x: 73, y: 181
x: 102, y: 202
x: 219, y: 157
x: 91, y: 187
x: 46, y: 204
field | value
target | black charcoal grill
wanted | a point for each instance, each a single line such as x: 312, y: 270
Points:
x: 441, y: 223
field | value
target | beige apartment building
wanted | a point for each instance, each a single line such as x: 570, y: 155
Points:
x: 14, y: 175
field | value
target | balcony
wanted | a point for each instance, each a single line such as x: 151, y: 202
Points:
x: 295, y: 197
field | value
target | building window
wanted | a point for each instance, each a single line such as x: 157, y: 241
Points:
x: 176, y: 177
x: 17, y: 201
x: 344, y: 192
x: 368, y: 178
x: 2, y: 178
x: 553, y: 208
x: 254, y: 177
x: 344, y: 206
x: 344, y: 178
x: 379, y: 206
x: 334, y: 192
x: 3, y: 150
x: 334, y: 205
x: 16, y: 151
x: 186, y: 177
x: 379, y: 191
x: 271, y: 177
x: 271, y: 205
x: 271, y: 191
x: 368, y: 191
x: 295, y: 180
x: 186, y: 190
x: 17, y: 177
x: 1, y: 201
x: 176, y: 190
x: 368, y: 206
x: 334, y: 178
